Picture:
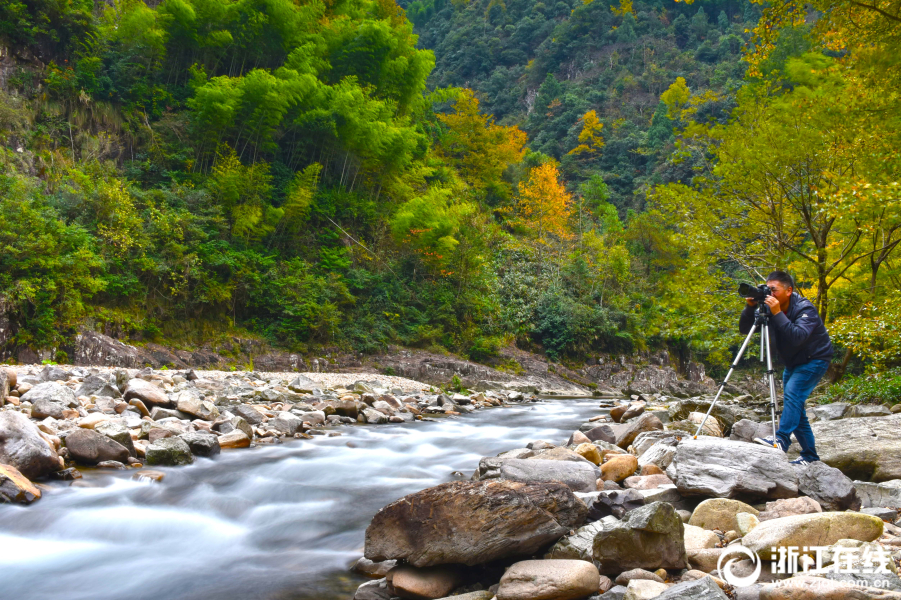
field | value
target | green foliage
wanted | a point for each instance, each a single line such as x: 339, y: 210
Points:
x: 872, y: 388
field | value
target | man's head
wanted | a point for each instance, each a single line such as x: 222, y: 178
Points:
x: 781, y: 285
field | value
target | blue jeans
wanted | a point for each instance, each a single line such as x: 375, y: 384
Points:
x: 797, y: 383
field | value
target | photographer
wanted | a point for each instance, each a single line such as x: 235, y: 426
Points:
x: 800, y: 337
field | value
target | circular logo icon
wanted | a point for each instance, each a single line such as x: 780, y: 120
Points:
x: 726, y: 571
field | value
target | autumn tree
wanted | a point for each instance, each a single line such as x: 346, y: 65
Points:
x: 544, y: 207
x: 590, y: 139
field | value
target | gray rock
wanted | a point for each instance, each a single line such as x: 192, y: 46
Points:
x: 644, y: 441
x: 746, y: 430
x: 491, y: 520
x: 881, y: 495
x: 86, y: 446
x: 313, y: 417
x: 202, y: 444
x: 49, y: 399
x: 626, y: 434
x: 831, y: 412
x: 94, y: 385
x: 579, y: 476
x: 725, y: 412
x: 158, y: 413
x: 868, y: 449
x: 118, y: 433
x: 886, y: 514
x: 651, y: 537
x: 192, y: 404
x: 867, y: 410
x: 374, y: 417
x: 301, y: 384
x: 23, y: 447
x: 373, y: 590
x: 240, y: 424
x: 615, y: 593
x: 828, y: 486
x: 603, y: 433
x: 699, y: 589
x: 549, y: 580
x: 147, y: 393
x: 728, y: 469
x: 53, y: 373
x: 580, y: 544
x: 615, y: 503
x: 248, y: 413
x: 661, y: 453
x: 286, y: 423
x: 170, y: 451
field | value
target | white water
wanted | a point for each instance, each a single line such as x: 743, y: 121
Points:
x: 275, y: 522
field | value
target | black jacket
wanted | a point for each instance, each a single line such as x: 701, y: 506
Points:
x: 798, y: 334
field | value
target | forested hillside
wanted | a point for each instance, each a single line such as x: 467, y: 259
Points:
x: 575, y: 179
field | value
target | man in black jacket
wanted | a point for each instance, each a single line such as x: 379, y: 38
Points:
x: 799, y: 336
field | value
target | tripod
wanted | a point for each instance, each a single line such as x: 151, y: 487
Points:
x: 762, y: 321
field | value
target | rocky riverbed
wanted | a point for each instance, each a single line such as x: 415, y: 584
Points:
x: 55, y: 420
x: 633, y: 507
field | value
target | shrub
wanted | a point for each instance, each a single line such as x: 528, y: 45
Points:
x: 874, y: 388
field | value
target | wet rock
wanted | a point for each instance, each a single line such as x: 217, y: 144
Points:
x: 70, y: 474
x: 727, y: 469
x: 171, y: 451
x: 618, y: 467
x: 818, y: 529
x: 884, y: 495
x: 202, y: 444
x: 549, y: 580
x: 790, y: 507
x: 650, y: 537
x: 15, y: 487
x: 118, y: 433
x: 868, y: 449
x: 579, y: 476
x: 111, y: 464
x: 627, y: 433
x: 234, y: 439
x: 86, y: 446
x: 615, y: 503
x: 422, y: 584
x: 147, y: 393
x: 23, y: 447
x: 699, y: 589
x: 828, y: 486
x: 492, y: 520
x: 149, y: 475
x: 720, y: 513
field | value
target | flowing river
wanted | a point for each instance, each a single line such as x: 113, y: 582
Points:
x: 279, y: 522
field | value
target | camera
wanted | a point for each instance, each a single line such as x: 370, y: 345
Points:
x: 757, y: 293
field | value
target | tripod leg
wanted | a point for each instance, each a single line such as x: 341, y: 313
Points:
x: 772, y: 382
x: 726, y: 380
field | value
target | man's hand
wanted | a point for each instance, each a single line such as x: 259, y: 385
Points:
x: 773, y: 303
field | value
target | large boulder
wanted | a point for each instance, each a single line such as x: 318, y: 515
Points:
x: 828, y: 486
x: 549, y: 580
x: 22, y: 446
x: 15, y: 487
x: 651, y: 537
x: 94, y: 385
x: 580, y: 476
x: 728, y: 469
x: 147, y: 393
x: 171, y: 451
x: 50, y: 399
x: 868, y: 448
x: 473, y: 522
x: 817, y: 529
x: 88, y: 447
x: 878, y: 495
x: 720, y: 513
x: 626, y: 434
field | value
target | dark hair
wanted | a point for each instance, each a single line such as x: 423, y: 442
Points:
x: 782, y: 277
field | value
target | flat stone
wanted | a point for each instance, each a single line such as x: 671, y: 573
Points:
x: 883, y: 495
x: 728, y: 469
x: 819, y: 529
x: 867, y: 410
x: 720, y: 513
x: 579, y: 476
x: 549, y: 580
x: 15, y: 487
x: 492, y: 519
x: 866, y: 449
x: 616, y: 503
x: 94, y: 385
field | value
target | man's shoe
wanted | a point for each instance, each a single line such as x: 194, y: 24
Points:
x: 800, y: 462
x: 768, y: 441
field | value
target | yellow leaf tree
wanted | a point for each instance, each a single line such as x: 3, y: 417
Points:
x: 544, y: 207
x: 590, y: 140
